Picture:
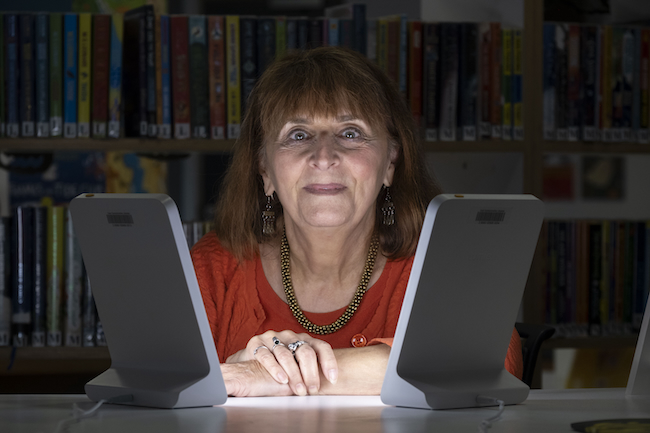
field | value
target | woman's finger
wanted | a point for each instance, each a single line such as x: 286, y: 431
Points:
x: 325, y: 355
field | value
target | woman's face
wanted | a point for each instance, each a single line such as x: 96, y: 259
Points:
x: 327, y: 172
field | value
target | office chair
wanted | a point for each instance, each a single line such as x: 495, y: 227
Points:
x: 534, y: 336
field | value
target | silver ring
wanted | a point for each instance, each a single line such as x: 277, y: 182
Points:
x: 294, y: 346
x: 276, y: 342
x: 258, y: 348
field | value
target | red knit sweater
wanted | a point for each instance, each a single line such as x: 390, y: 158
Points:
x: 240, y: 304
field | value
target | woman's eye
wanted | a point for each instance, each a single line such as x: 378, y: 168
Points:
x: 351, y: 134
x: 298, y: 135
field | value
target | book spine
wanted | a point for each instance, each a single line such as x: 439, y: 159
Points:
x: 248, y: 57
x: 85, y: 71
x: 549, y: 82
x: 115, y: 77
x: 280, y: 36
x: 636, y: 87
x: 165, y: 126
x: 101, y: 42
x: 644, y: 83
x: 393, y: 52
x: 517, y: 86
x: 291, y: 34
x: 595, y: 267
x: 628, y: 272
x: 2, y: 76
x: 468, y: 82
x: 359, y: 25
x: 382, y: 42
x: 485, y: 51
x: 27, y: 72
x: 588, y: 83
x: 371, y: 39
x: 180, y: 76
x: 157, y: 45
x: 402, y: 74
x: 55, y: 248
x: 506, y: 85
x: 573, y: 90
x: 22, y: 275
x: 56, y: 75
x: 70, y: 76
x: 89, y: 314
x: 605, y: 114
x: 134, y: 74
x: 640, y: 289
x: 333, y: 32
x: 73, y: 286
x: 346, y: 33
x: 150, y: 67
x: 604, y: 278
x: 431, y: 85
x: 561, y: 85
x: 448, y: 80
x: 217, y: 87
x: 5, y: 281
x: 415, y: 71
x: 265, y: 43
x: 13, y: 75
x: 39, y: 327
x: 628, y: 55
x: 199, y: 98
x: 314, y: 33
x: 495, y: 77
x: 143, y: 76
x: 302, y: 33
x: 42, y: 31
x: 234, y: 76
x: 598, y: 136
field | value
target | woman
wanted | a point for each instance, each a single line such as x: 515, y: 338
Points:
x: 316, y: 229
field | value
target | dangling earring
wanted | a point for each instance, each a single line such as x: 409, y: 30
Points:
x: 388, y: 209
x: 268, y: 217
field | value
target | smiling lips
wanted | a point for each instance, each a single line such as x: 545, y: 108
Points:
x: 324, y: 188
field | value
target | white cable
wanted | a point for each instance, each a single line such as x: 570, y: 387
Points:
x: 78, y: 413
x: 486, y: 424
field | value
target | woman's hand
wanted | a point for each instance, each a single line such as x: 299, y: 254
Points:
x: 298, y: 369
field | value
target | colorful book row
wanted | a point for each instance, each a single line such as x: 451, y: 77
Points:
x: 45, y: 295
x: 179, y: 76
x: 596, y: 82
x: 598, y: 276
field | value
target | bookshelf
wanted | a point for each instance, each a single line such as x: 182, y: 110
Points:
x: 528, y: 14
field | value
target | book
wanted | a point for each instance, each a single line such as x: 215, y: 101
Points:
x: 315, y: 33
x: 70, y: 47
x: 165, y: 100
x: 217, y: 78
x: 355, y: 13
x: 22, y: 275
x: 280, y: 36
x: 448, y: 81
x: 628, y: 56
x: 5, y: 281
x: 180, y: 74
x: 485, y: 57
x: 233, y: 74
x: 134, y: 73
x: 56, y: 75
x: 39, y: 312
x: 371, y: 39
x: 467, y: 82
x: 644, y: 87
x: 495, y: 78
x: 302, y: 33
x: 382, y: 42
x: 55, y: 270
x: 346, y: 33
x: 589, y: 41
x: 158, y: 58
x: 517, y: 85
x: 115, y: 77
x: 27, y: 73
x: 606, y: 77
x: 561, y: 84
x: 550, y: 81
x: 150, y: 56
x: 333, y: 32
x: 199, y: 97
x: 73, y: 286
x: 595, y: 269
x: 430, y: 81
x: 248, y: 57
x: 636, y: 86
x: 415, y: 70
x: 84, y: 75
x: 291, y: 34
x: 574, y: 98
x: 12, y: 77
x: 266, y: 42
x: 101, y: 60
x: 42, y: 33
x: 2, y: 77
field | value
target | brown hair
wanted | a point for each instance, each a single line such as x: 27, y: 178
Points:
x: 323, y: 82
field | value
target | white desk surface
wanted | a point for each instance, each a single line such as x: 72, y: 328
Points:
x: 544, y: 411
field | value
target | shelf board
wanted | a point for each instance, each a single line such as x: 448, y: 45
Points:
x: 613, y: 342
x: 122, y: 144
x: 198, y: 145
x: 593, y: 147
x: 53, y: 360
